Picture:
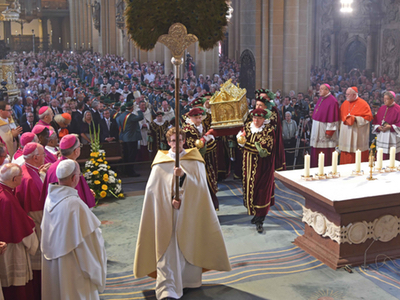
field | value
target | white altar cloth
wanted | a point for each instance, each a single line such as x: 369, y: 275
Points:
x: 349, y: 186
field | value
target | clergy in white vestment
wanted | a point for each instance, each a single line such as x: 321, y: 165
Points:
x: 178, y: 240
x: 74, y: 263
x: 8, y: 129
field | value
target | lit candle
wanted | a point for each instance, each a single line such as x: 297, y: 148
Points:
x: 59, y: 40
x: 307, y: 165
x: 89, y: 45
x: 358, y: 161
x: 334, y: 162
x: 321, y: 163
x: 379, y: 158
x: 8, y: 40
x: 75, y: 45
x: 392, y: 157
x: 67, y: 44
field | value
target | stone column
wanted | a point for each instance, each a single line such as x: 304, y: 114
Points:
x: 112, y: 27
x: 7, y: 32
x: 231, y: 33
x: 45, y: 35
x: 237, y: 18
x: 304, y: 53
x: 291, y: 47
x: 264, y: 45
x: 276, y: 44
x: 57, y: 34
x: 370, y: 53
x: 333, y: 51
x: 72, y: 14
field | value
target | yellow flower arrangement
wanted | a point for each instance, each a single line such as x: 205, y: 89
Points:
x: 100, y: 177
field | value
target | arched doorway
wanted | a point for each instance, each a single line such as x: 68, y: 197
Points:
x: 356, y: 55
x: 247, y: 75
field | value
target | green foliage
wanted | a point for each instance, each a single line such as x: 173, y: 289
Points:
x: 147, y: 20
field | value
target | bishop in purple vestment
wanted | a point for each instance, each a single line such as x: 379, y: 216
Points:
x: 325, y: 125
x: 70, y: 148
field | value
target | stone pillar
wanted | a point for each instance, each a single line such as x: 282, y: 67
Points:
x: 304, y: 53
x: 291, y: 47
x: 56, y: 26
x: 45, y: 35
x: 7, y: 32
x: 231, y: 33
x: 264, y: 45
x: 276, y: 44
x: 237, y: 20
x: 370, y: 53
x: 112, y: 27
x: 333, y: 51
x: 72, y: 14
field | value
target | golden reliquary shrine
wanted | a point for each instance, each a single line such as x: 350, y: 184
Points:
x: 229, y: 106
x: 7, y: 73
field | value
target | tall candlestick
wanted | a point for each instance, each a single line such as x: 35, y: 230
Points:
x: 392, y: 157
x: 379, y: 158
x: 307, y: 165
x: 358, y: 161
x: 334, y: 162
x: 321, y: 163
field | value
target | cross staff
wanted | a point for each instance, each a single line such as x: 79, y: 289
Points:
x: 177, y: 40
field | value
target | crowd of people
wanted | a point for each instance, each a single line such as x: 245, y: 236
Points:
x: 68, y: 98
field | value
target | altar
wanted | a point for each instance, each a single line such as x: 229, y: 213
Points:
x: 344, y: 216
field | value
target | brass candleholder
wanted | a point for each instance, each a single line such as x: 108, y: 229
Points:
x: 378, y: 170
x: 307, y: 178
x: 333, y: 175
x: 371, y: 166
x: 319, y: 177
x: 390, y: 169
x: 357, y: 173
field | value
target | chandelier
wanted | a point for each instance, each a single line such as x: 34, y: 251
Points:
x: 346, y: 6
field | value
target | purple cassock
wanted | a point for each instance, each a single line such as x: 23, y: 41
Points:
x: 44, y: 124
x: 325, y: 111
x: 389, y: 115
x: 83, y: 188
x: 50, y: 157
x: 28, y: 192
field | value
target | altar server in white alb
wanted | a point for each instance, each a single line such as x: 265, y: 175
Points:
x: 74, y: 263
x: 178, y: 239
